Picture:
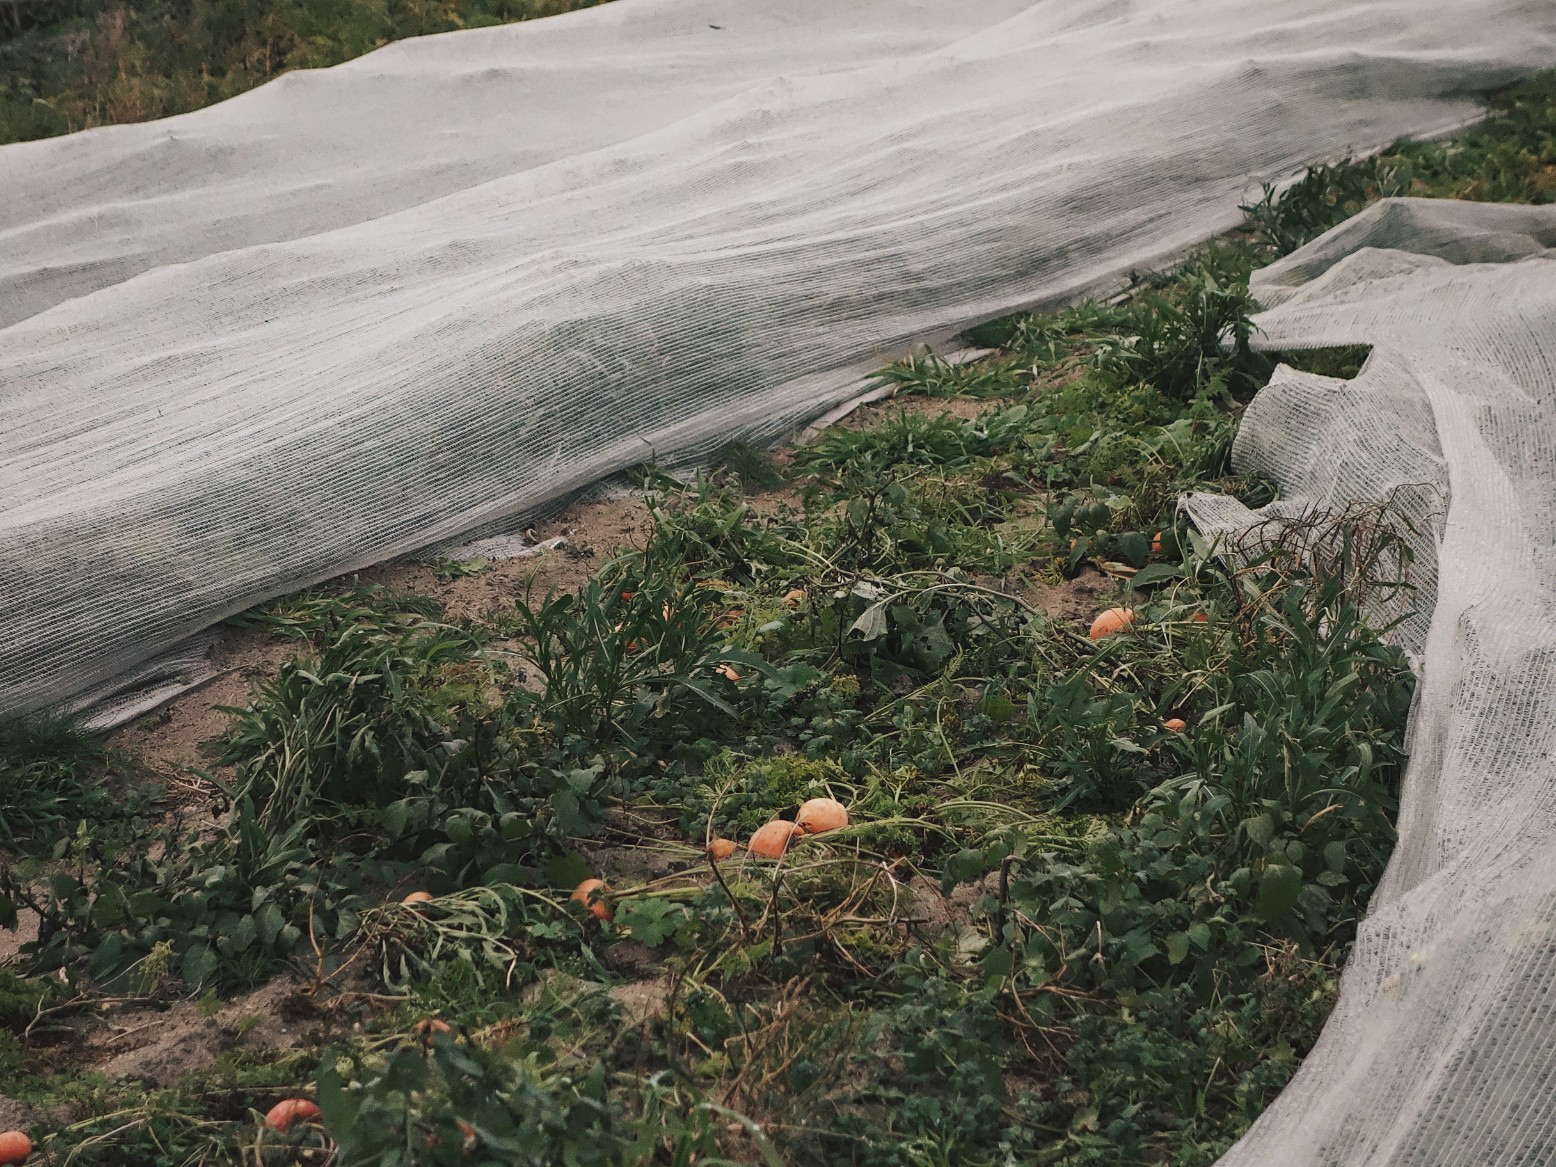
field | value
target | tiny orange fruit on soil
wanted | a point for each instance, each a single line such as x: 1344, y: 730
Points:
x: 418, y: 897
x: 1175, y: 725
x: 728, y: 673
x: 1112, y: 621
x: 285, y: 1114
x: 585, y: 893
x: 430, y: 1027
x: 721, y: 849
x: 1200, y: 618
x: 772, y: 840
x: 794, y: 597
x: 14, y: 1147
x: 1156, y: 543
x: 821, y: 814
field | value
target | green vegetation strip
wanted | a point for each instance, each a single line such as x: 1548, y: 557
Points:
x: 1057, y: 930
x: 69, y: 65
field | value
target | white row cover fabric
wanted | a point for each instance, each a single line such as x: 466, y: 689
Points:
x: 363, y: 310
x: 1441, y: 1049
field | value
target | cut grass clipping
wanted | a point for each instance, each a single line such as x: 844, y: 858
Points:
x: 850, y: 831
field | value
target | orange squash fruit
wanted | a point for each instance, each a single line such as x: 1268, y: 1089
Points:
x: 1112, y: 622
x: 721, y: 849
x: 772, y: 840
x: 430, y: 1027
x: 290, y: 1111
x: 821, y: 814
x: 14, y: 1147
x: 585, y: 893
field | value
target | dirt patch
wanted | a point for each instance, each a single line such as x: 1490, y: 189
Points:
x: 25, y: 932
x: 939, y: 912
x: 1066, y: 600
x: 157, y: 1046
x: 642, y: 1001
x: 591, y: 533
x: 872, y: 415
x: 24, y: 1116
x: 167, y: 741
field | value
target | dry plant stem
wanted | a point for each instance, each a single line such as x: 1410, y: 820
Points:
x: 734, y: 902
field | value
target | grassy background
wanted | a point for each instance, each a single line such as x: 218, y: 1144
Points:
x: 72, y: 64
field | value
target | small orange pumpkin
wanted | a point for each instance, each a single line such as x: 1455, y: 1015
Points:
x: 728, y: 673
x: 772, y: 840
x: 591, y: 893
x: 417, y: 897
x: 821, y: 814
x: 430, y: 1027
x: 794, y: 597
x: 14, y: 1147
x: 290, y: 1111
x: 1112, y: 622
x: 1175, y: 725
x: 721, y: 849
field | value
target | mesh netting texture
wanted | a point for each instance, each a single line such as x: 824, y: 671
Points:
x: 362, y: 310
x: 1439, y: 1052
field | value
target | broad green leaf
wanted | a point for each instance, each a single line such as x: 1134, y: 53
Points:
x: 1279, y: 887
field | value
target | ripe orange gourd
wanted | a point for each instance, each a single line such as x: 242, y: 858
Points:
x: 794, y: 597
x: 1112, y: 621
x: 1156, y: 543
x: 284, y: 1114
x: 430, y: 1028
x: 772, y: 840
x: 1200, y: 618
x: 721, y: 849
x: 418, y: 897
x: 728, y: 673
x: 14, y: 1147
x: 1175, y: 725
x: 584, y: 894
x: 821, y: 814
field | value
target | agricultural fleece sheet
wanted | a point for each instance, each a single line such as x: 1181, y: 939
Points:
x: 1440, y: 1052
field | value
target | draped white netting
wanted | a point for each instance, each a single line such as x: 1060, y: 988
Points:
x: 1440, y: 1050
x: 362, y: 310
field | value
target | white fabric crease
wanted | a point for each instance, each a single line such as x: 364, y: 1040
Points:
x: 1439, y: 1051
